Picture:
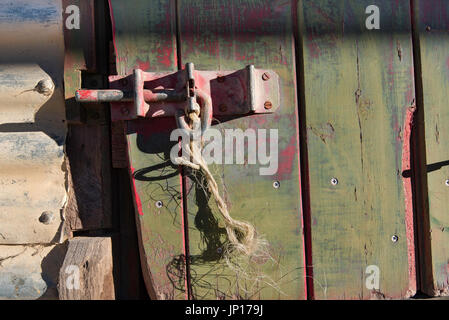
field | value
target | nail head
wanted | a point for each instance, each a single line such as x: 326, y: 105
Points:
x: 46, y: 217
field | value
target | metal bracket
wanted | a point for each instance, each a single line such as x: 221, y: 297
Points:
x: 161, y: 94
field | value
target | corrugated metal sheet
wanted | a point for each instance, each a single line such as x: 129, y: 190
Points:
x: 32, y: 135
x: 32, y: 128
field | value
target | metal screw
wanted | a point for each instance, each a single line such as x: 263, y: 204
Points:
x: 266, y: 76
x: 334, y: 181
x: 159, y: 204
x: 268, y: 105
x: 276, y: 184
x: 125, y: 111
x: 222, y: 107
x: 394, y: 238
x: 46, y: 217
x: 447, y: 182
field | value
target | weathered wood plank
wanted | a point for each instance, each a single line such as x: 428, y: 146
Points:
x: 358, y: 88
x: 145, y: 38
x: 86, y: 273
x: 432, y: 30
x: 89, y: 178
x: 88, y: 140
x: 80, y: 54
x: 229, y: 35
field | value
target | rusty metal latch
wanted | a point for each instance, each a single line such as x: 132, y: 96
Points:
x: 161, y: 94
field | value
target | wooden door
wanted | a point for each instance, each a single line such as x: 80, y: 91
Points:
x: 211, y: 36
x: 343, y: 210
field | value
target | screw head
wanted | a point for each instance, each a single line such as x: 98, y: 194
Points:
x: 334, y: 181
x: 159, y: 204
x: 428, y: 28
x: 268, y: 105
x: 394, y: 238
x: 276, y: 184
x: 266, y: 76
x: 46, y: 217
x: 447, y: 183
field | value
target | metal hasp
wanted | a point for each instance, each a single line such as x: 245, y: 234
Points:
x: 158, y: 94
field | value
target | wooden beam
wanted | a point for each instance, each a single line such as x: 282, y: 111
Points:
x: 86, y: 273
x: 432, y: 47
x: 145, y: 37
x: 89, y: 178
x: 359, y: 90
x: 218, y: 36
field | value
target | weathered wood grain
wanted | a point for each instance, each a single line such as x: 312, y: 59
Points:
x: 432, y: 31
x: 145, y: 38
x: 86, y: 273
x: 358, y: 86
x: 229, y: 35
x: 89, y: 178
x: 80, y: 54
